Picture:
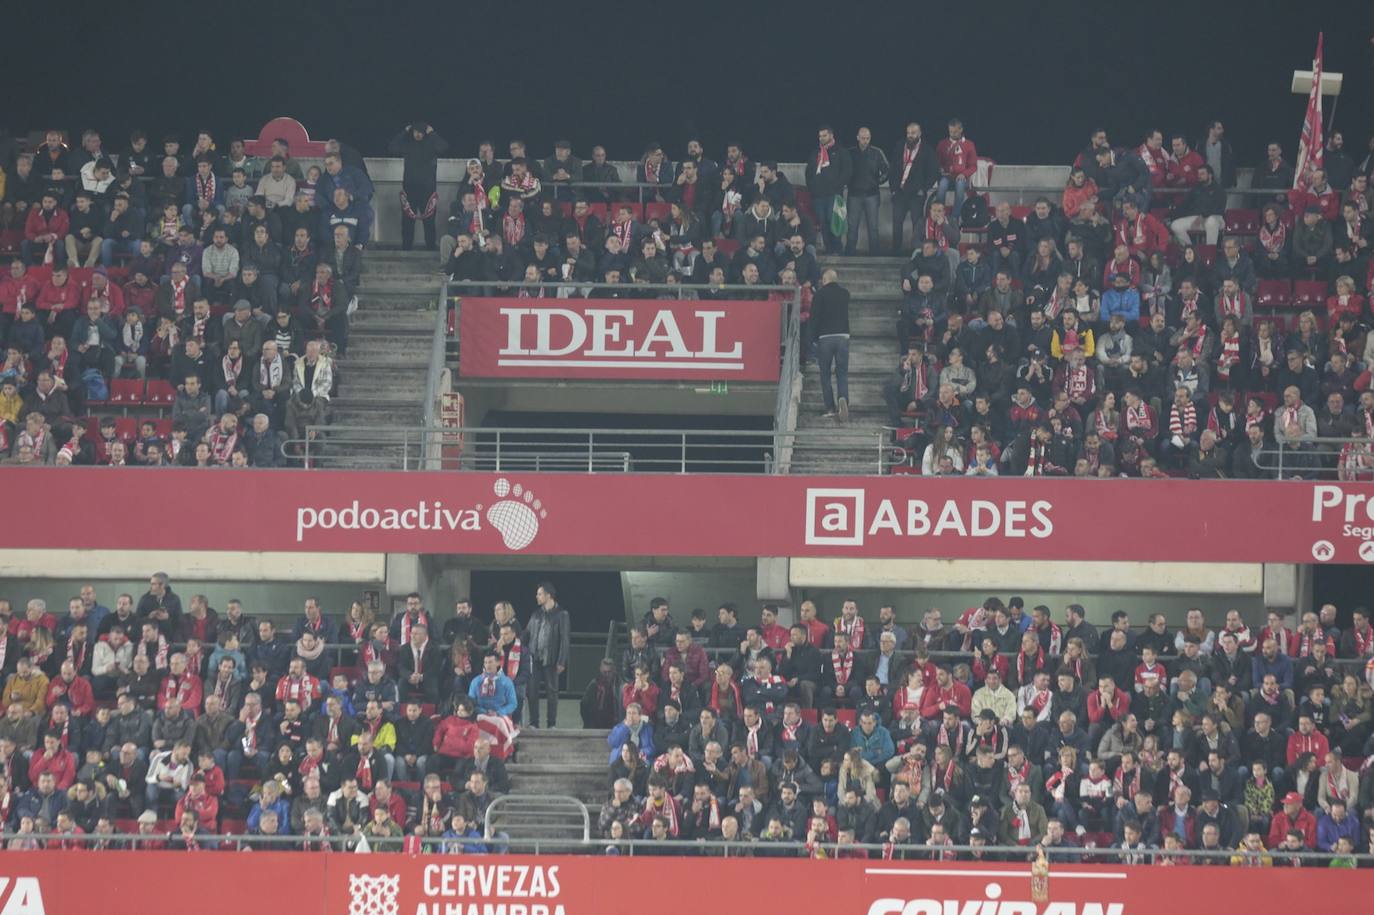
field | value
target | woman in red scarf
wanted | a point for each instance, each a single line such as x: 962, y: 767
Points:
x: 1275, y: 246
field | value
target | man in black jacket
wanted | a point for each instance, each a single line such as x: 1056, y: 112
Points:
x: 870, y: 172
x: 830, y: 326
x: 1204, y: 207
x: 912, y: 173
x: 800, y: 666
x: 828, y: 173
x: 419, y: 148
x: 548, y: 639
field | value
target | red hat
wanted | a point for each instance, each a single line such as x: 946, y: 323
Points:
x: 1292, y: 797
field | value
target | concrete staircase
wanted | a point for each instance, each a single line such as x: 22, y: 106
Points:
x: 854, y: 448
x: 562, y: 761
x: 383, y: 376
x: 565, y: 762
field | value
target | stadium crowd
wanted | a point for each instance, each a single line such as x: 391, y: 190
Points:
x: 218, y: 282
x: 1002, y: 727
x: 1136, y: 325
x: 182, y: 723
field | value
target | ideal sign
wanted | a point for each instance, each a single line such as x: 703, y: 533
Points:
x: 619, y: 338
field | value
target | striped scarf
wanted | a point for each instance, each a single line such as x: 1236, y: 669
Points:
x: 843, y: 665
x: 1273, y: 239
x: 1183, y: 420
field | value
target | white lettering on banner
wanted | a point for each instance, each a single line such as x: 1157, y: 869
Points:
x: 25, y: 897
x: 1356, y: 510
x: 591, y: 333
x: 993, y: 905
x: 836, y: 517
x: 462, y: 885
x: 426, y: 516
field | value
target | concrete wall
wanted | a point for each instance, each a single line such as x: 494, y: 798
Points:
x: 260, y: 598
x: 686, y: 590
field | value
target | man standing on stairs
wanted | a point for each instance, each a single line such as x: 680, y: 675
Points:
x: 419, y: 148
x: 548, y: 638
x: 830, y: 324
x: 827, y: 175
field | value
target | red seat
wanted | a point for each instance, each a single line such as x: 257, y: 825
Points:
x: 126, y: 428
x: 1207, y: 254
x: 1273, y: 293
x: 598, y: 210
x: 657, y: 210
x: 160, y: 393
x: 1309, y: 294
x: 727, y: 246
x: 804, y: 203
x: 809, y: 715
x: 426, y: 708
x: 1269, y: 398
x: 230, y: 827
x: 406, y: 786
x: 1242, y: 222
x: 564, y: 208
x: 92, y: 424
x: 126, y: 392
x: 1020, y: 211
x: 349, y: 672
x: 163, y: 427
x: 847, y: 717
x: 126, y: 826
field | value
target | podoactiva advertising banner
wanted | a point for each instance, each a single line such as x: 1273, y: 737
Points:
x: 687, y: 515
x: 337, y: 883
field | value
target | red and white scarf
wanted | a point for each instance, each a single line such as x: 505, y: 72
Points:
x: 935, y: 231
x: 1077, y: 382
x: 822, y: 157
x: 511, y: 659
x: 513, y: 228
x: 1021, y: 666
x: 1229, y: 356
x: 650, y: 172
x: 1183, y: 420
x: 179, y: 296
x: 364, y: 773
x: 1273, y: 239
x: 854, y: 629
x: 666, y: 809
x: 321, y: 296
x: 843, y: 666
x: 250, y: 734
x: 205, y: 187
x: 1364, y: 643
x: 1231, y: 305
x: 909, y: 154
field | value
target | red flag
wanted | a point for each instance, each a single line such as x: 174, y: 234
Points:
x: 1310, y: 145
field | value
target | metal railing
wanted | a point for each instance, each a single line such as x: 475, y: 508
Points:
x: 1345, y: 459
x: 504, y: 449
x: 712, y: 847
x: 434, y: 372
x: 560, y: 812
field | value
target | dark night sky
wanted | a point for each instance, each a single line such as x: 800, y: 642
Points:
x: 1028, y: 79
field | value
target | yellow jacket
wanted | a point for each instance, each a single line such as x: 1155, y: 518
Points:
x: 30, y: 692
x: 10, y: 406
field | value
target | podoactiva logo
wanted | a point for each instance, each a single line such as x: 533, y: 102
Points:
x: 515, y: 515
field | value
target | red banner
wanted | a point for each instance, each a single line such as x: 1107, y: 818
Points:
x: 319, y: 883
x: 687, y: 515
x: 656, y: 339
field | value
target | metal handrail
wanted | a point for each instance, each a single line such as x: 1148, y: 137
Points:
x: 544, y: 802
x: 1320, y: 458
x: 436, y: 356
x: 1003, y: 854
x: 679, y: 288
x: 591, y: 450
x: 789, y: 387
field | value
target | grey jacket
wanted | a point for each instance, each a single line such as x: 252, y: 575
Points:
x: 559, y: 636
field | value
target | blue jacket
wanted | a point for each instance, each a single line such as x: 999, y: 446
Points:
x: 1328, y: 831
x: 621, y: 733
x: 877, y: 747
x: 351, y: 179
x: 1121, y: 302
x: 281, y: 808
x: 464, y: 848
x: 1281, y: 667
x: 358, y: 218
x: 192, y: 197
x: 502, y: 703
